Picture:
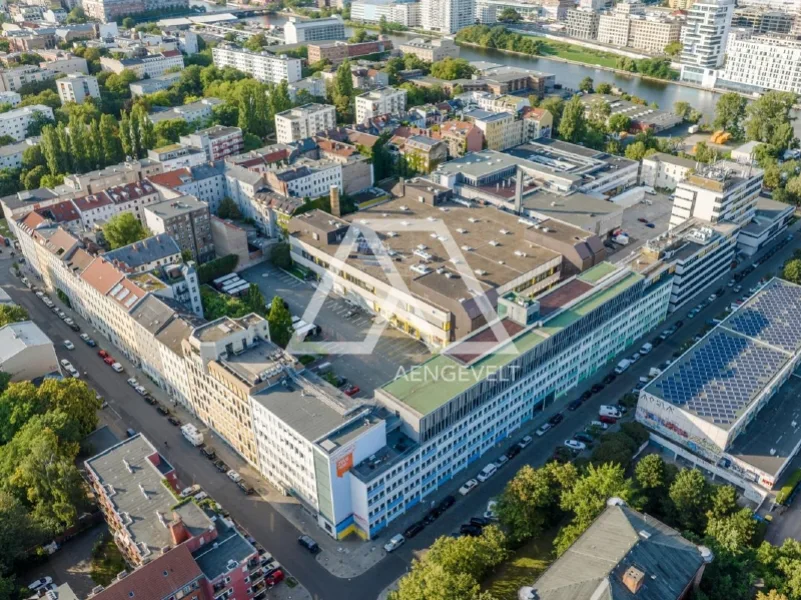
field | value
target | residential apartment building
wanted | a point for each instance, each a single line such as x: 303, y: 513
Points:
x: 264, y: 66
x: 153, y: 65
x: 763, y: 63
x: 447, y: 16
x: 154, y: 84
x: 177, y: 156
x: 106, y: 11
x: 12, y: 98
x: 304, y: 178
x: 11, y: 154
x: 652, y: 34
x: 337, y: 52
x: 431, y: 49
x: 501, y: 130
x: 704, y: 38
x: 462, y: 137
x: 205, y: 182
x: 665, y: 171
x: 761, y: 20
x: 217, y: 141
x: 304, y: 121
x: 724, y: 191
x: 537, y: 123
x: 613, y: 29
x: 12, y: 80
x: 380, y: 101
x: 63, y: 62
x: 422, y: 152
x: 297, y: 31
x: 186, y: 220
x: 582, y: 23
x: 26, y: 353
x: 14, y: 123
x: 556, y: 10
x: 77, y: 88
x: 407, y: 14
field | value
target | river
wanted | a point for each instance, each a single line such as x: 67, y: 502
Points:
x: 569, y: 75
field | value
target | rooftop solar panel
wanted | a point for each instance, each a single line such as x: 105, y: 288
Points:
x: 772, y: 316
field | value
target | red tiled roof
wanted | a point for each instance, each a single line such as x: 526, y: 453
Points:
x: 32, y: 220
x: 130, y: 191
x: 336, y: 147
x: 92, y: 201
x: 533, y: 112
x: 61, y: 241
x: 171, y: 53
x: 62, y: 212
x: 562, y: 295
x: 101, y: 275
x: 158, y: 579
x: 454, y: 126
x: 171, y: 179
x: 126, y: 293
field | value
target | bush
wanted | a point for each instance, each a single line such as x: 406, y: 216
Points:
x: 636, y: 431
x: 217, y: 268
x: 789, y: 487
x: 107, y: 561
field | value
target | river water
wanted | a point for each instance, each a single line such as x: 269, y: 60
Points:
x: 569, y: 75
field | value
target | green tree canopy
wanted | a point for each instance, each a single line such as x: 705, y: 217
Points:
x: 123, y: 229
x: 280, y: 322
x: 730, y: 114
x: 586, y: 85
x: 770, y: 120
x: 573, y: 123
x: 11, y: 313
x: 690, y: 494
x: 452, y: 68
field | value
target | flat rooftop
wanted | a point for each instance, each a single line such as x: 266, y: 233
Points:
x: 176, y: 207
x: 768, y: 212
x: 769, y: 440
x: 446, y: 375
x: 491, y: 242
x: 722, y: 175
x: 132, y: 472
x: 720, y: 377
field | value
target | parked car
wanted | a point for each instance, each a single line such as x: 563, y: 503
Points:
x: 161, y: 410
x: 471, y: 530
x: 525, y: 441
x: 274, y: 578
x: 575, y: 404
x: 39, y: 583
x: 109, y: 360
x: 596, y: 388
x: 221, y: 466
x: 610, y: 378
x: 413, y: 529
x: 575, y: 445
x: 132, y: 382
x: 102, y: 353
x: 234, y: 476
x: 208, y: 452
x: 351, y: 390
x: 502, y: 460
x: 140, y: 389
x: 487, y: 472
x: 556, y: 419
x: 309, y: 544
x: 174, y: 421
x: 608, y: 420
x: 512, y: 452
x: 585, y: 396
x: 130, y: 432
x: 490, y: 513
x: 72, y: 325
x: 543, y: 429
x: 189, y: 491
x: 395, y: 542
x: 446, y: 503
x: 583, y: 437
x: 480, y: 521
x: 468, y: 487
x: 69, y: 345
x: 117, y: 367
x: 243, y: 485
x: 599, y: 424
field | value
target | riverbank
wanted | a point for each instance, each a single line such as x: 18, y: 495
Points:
x: 415, y: 32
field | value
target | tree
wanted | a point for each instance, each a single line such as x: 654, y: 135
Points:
x: 690, y: 495
x: 9, y: 181
x: 359, y: 36
x: 128, y: 23
x: 528, y: 502
x: 475, y: 556
x: 573, y: 124
x: 452, y: 68
x: 280, y: 99
x: 734, y: 532
x: 169, y: 131
x: 730, y: 114
x: 17, y: 532
x: 280, y: 322
x: 793, y: 189
x: 603, y: 88
x: 76, y: 15
x: 110, y: 136
x: 674, y: 48
x: 123, y: 229
x: 32, y: 179
x: 792, y: 271
x: 586, y: 85
x: 228, y: 209
x: 771, y: 595
x: 11, y: 313
x: 256, y: 42
x: 636, y: 151
x: 682, y: 108
x: 74, y: 398
x: 615, y: 448
x: 724, y: 501
x: 704, y: 153
x: 650, y: 472
x: 770, y: 120
x: 619, y: 122
x: 509, y: 15
x: 36, y: 123
x: 255, y: 299
x: 280, y: 257
x: 428, y: 581
x: 342, y: 89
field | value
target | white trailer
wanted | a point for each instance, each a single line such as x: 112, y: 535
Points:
x: 191, y: 433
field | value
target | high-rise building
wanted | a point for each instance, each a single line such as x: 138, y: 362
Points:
x: 298, y: 30
x: 76, y: 88
x: 304, y: 121
x: 582, y: 23
x: 380, y: 101
x: 264, y: 66
x: 186, y: 219
x: 447, y: 16
x: 704, y: 40
x: 760, y: 63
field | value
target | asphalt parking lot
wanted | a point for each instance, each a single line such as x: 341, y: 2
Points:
x: 341, y: 323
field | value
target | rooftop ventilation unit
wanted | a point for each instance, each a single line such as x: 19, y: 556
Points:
x: 494, y: 243
x: 421, y: 269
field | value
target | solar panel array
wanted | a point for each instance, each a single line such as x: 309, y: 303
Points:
x: 771, y: 317
x: 719, y: 378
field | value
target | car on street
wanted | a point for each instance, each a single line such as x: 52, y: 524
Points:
x: 468, y: 487
x: 117, y: 367
x: 575, y: 445
x: 413, y: 529
x: 543, y: 429
x: 141, y: 390
x: 174, y: 421
x: 151, y: 400
x: 585, y: 396
x: 109, y: 360
x: 208, y: 452
x: 72, y: 325
x: 487, y: 472
x: 599, y: 425
x: 512, y: 452
x: 69, y: 345
x: 556, y: 419
x: 574, y: 405
x: 161, y: 410
x: 490, y: 514
x: 502, y: 460
x: 351, y: 390
x: 221, y: 466
x: 309, y: 544
x: 583, y: 437
x: 89, y: 341
x: 635, y: 357
x: 471, y: 530
x: 233, y: 476
x: 395, y: 542
x: 596, y: 388
x: 650, y: 226
x: 525, y: 441
x: 610, y: 378
x: 607, y: 420
x: 102, y: 353
x: 480, y: 521
x: 274, y: 578
x: 245, y: 487
x: 40, y: 583
x: 132, y: 382
x: 189, y: 491
x: 446, y: 503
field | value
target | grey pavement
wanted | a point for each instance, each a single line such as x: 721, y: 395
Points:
x: 269, y: 525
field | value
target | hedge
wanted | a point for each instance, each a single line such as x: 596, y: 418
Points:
x: 218, y: 267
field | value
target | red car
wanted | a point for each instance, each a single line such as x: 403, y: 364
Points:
x: 102, y: 353
x: 609, y: 420
x: 351, y: 390
x: 274, y: 578
x: 109, y: 360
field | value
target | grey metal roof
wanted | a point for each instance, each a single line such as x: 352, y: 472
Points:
x: 152, y: 314
x: 143, y: 252
x: 214, y: 559
x: 620, y: 538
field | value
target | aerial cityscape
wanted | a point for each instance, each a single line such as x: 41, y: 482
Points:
x: 400, y: 300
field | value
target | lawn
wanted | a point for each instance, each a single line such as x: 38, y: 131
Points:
x: 523, y: 568
x: 107, y: 561
x: 578, y: 54
x: 4, y: 231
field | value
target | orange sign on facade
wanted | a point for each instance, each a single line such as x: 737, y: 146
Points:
x: 344, y: 464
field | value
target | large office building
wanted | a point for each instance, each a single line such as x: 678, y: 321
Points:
x: 763, y: 63
x: 582, y: 23
x: 447, y: 16
x: 264, y: 66
x: 380, y: 101
x: 703, y: 39
x: 304, y: 121
x: 730, y: 404
x: 106, y: 11
x: 298, y: 31
x: 723, y: 191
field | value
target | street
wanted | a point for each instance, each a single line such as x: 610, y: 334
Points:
x: 128, y: 409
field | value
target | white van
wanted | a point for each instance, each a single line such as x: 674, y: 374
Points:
x: 487, y: 472
x: 622, y: 366
x: 646, y: 348
x: 609, y: 411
